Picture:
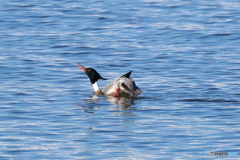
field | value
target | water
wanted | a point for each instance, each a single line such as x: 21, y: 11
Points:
x: 184, y: 56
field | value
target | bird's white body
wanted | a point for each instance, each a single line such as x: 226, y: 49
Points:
x: 125, y: 87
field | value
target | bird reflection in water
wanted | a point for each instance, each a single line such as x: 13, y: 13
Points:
x: 122, y: 103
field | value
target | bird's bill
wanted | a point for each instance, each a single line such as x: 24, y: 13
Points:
x: 80, y: 66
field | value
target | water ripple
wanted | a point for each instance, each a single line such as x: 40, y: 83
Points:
x: 184, y: 56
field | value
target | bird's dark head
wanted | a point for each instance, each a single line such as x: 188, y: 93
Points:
x: 91, y: 73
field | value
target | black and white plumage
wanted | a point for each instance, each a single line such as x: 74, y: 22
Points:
x: 123, y: 86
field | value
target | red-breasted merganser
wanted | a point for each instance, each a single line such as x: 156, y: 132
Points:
x: 123, y: 86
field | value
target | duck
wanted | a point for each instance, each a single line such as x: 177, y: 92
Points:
x: 123, y: 86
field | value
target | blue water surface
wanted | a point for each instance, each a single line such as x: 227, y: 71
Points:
x: 184, y: 55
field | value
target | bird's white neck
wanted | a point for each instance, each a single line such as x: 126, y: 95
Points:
x: 96, y: 88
